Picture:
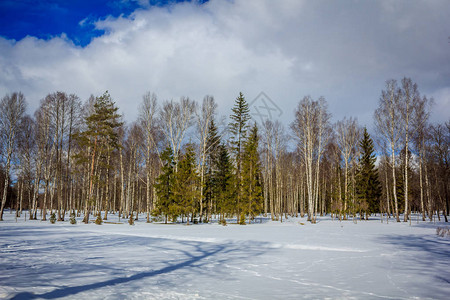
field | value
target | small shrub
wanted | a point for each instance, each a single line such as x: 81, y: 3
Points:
x: 53, y: 218
x: 157, y: 219
x: 223, y: 222
x: 242, y: 219
x: 73, y: 221
x: 131, y: 220
x: 99, y: 220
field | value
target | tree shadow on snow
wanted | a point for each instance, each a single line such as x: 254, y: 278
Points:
x: 196, y: 258
x: 426, y: 254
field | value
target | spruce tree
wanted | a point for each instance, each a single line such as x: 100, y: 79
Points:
x: 53, y: 218
x: 238, y: 129
x: 251, y: 176
x: 165, y: 185
x: 368, y: 188
x: 186, y: 192
x: 223, y: 184
x: 212, y: 152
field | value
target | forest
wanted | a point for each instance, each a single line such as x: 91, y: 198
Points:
x: 181, y: 162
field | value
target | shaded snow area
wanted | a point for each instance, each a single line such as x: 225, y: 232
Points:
x: 271, y: 260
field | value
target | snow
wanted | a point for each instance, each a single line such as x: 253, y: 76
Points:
x: 268, y: 260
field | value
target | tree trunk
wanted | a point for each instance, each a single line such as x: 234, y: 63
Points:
x: 394, y: 184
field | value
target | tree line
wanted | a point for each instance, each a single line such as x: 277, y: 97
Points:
x: 179, y: 161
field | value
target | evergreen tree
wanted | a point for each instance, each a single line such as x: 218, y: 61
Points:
x: 73, y: 220
x: 212, y: 148
x: 251, y: 176
x: 223, y: 184
x: 368, y: 188
x: 165, y: 185
x: 53, y: 218
x: 238, y: 128
x: 186, y: 190
x: 101, y: 135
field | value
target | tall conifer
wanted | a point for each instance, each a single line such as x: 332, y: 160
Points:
x: 186, y: 192
x: 165, y: 185
x: 238, y: 129
x: 101, y: 135
x: 251, y: 176
x: 368, y: 188
x: 223, y: 184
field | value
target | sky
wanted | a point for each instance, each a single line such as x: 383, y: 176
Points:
x: 274, y: 52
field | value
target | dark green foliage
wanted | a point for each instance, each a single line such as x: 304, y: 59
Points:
x: 101, y: 133
x: 212, y: 146
x: 368, y: 188
x: 223, y: 183
x: 186, y: 192
x: 238, y: 129
x: 251, y: 176
x: 242, y: 219
x: 239, y: 123
x: 73, y: 221
x: 99, y: 220
x: 98, y: 139
x: 165, y: 185
x: 53, y: 218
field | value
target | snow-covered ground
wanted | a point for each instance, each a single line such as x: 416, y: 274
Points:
x: 271, y: 260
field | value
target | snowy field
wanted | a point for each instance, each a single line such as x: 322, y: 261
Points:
x: 272, y: 260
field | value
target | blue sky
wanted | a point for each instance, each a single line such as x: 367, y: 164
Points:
x: 343, y: 50
x: 46, y: 19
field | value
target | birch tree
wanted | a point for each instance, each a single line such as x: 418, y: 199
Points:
x: 148, y: 120
x: 12, y: 108
x: 347, y: 133
x: 387, y: 121
x: 419, y: 123
x: 175, y: 118
x: 312, y: 131
x: 204, y: 119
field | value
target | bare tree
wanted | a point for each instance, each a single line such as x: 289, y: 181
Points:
x: 408, y: 100
x: 175, y: 118
x: 204, y: 119
x: 148, y: 119
x: 26, y: 151
x: 267, y: 162
x: 419, y: 123
x: 12, y: 108
x: 133, y: 143
x: 387, y: 120
x: 348, y: 135
x: 440, y: 162
x: 311, y: 127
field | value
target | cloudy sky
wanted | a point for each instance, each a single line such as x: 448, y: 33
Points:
x: 342, y: 50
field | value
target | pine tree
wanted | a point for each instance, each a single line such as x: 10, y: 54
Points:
x: 186, y: 191
x: 368, y: 187
x: 100, y: 136
x: 251, y: 176
x: 165, y: 185
x: 238, y: 128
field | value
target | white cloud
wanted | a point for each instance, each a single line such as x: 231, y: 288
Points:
x: 288, y: 49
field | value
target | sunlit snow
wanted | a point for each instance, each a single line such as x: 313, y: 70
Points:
x: 267, y: 260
